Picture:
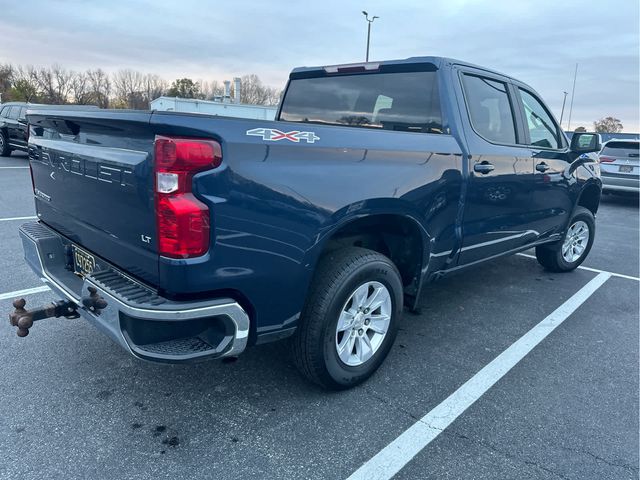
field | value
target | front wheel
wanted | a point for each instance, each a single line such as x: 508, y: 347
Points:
x: 350, y: 318
x: 568, y: 254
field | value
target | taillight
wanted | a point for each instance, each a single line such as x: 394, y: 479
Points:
x: 605, y: 159
x: 182, y: 220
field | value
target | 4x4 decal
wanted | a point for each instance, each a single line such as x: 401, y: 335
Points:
x: 274, y: 135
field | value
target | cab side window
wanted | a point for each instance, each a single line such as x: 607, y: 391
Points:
x: 543, y: 131
x: 4, y: 112
x: 490, y: 109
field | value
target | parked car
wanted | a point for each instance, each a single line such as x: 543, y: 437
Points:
x: 184, y: 236
x: 14, y: 131
x: 620, y: 166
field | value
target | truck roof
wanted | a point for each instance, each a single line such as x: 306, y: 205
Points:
x: 437, y: 62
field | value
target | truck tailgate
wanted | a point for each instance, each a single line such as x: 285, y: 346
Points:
x: 93, y: 182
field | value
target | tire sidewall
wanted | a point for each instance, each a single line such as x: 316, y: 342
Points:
x: 340, y: 373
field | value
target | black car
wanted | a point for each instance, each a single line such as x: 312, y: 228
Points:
x: 14, y: 131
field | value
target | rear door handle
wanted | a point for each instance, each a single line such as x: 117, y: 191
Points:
x: 483, y: 167
x: 542, y: 167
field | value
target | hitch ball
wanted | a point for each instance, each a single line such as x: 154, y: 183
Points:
x: 20, y: 317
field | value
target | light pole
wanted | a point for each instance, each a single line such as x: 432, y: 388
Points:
x: 562, y: 112
x: 366, y: 15
x: 573, y: 92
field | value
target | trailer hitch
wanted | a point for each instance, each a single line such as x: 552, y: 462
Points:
x: 23, y: 318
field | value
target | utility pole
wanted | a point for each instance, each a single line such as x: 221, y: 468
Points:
x: 369, y: 22
x: 573, y: 91
x: 563, y: 102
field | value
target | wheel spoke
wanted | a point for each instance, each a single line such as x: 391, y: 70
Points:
x: 360, y: 295
x: 376, y: 299
x: 364, y: 348
x: 379, y: 323
x: 345, y: 347
x: 344, y: 322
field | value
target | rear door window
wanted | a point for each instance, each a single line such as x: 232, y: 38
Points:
x: 490, y: 109
x: 4, y: 112
x: 400, y: 101
x: 621, y: 149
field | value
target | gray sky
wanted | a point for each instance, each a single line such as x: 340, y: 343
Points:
x: 538, y: 42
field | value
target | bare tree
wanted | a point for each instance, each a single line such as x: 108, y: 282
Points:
x: 100, y: 87
x: 254, y: 92
x: 81, y: 89
x: 129, y: 89
x: 54, y: 84
x: 155, y: 86
x: 123, y: 89
x: 210, y: 90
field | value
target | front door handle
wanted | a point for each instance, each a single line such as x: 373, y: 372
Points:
x: 542, y: 167
x: 483, y: 167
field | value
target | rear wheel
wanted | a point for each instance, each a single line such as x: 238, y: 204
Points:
x: 568, y: 254
x: 350, y: 318
x: 5, y: 151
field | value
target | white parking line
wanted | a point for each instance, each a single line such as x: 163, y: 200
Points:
x: 589, y: 269
x: 7, y: 168
x: 391, y: 459
x: 26, y: 291
x: 10, y: 219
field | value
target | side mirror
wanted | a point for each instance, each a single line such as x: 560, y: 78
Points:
x: 585, y: 143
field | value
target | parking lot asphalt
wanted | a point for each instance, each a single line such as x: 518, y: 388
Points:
x: 73, y: 405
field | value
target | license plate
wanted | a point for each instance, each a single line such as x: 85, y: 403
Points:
x: 83, y: 263
x: 626, y: 168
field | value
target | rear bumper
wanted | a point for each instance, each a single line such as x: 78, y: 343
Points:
x: 145, y: 324
x: 620, y: 182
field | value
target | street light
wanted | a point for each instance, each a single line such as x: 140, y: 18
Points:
x: 366, y: 15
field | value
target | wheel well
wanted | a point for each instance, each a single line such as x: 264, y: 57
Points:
x: 590, y: 198
x: 394, y: 236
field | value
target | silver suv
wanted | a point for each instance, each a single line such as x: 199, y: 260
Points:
x: 620, y: 166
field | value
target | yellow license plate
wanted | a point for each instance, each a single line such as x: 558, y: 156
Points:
x: 83, y: 263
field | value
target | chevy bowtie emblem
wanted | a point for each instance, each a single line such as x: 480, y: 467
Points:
x: 273, y: 135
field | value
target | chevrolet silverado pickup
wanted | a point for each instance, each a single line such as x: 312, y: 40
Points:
x: 186, y: 236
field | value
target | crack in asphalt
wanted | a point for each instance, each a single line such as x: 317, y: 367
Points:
x: 598, y: 458
x: 510, y: 456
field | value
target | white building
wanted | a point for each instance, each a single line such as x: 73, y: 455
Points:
x: 224, y: 106
x: 175, y: 104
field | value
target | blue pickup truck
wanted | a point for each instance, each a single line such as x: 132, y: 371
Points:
x: 186, y: 236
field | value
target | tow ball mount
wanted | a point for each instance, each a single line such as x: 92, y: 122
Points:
x: 23, y: 318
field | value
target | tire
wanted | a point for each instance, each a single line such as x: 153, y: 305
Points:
x: 341, y: 277
x: 5, y: 151
x: 556, y: 258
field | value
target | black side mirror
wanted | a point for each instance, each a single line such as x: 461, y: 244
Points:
x: 585, y: 143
